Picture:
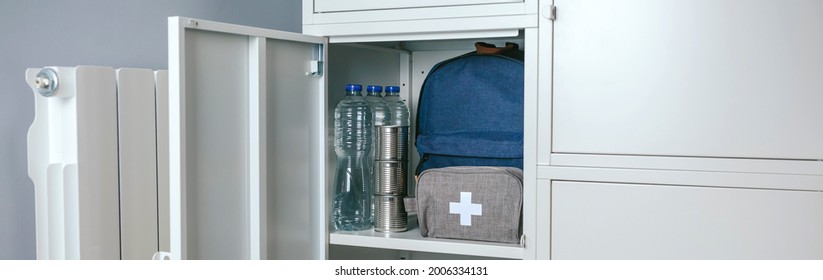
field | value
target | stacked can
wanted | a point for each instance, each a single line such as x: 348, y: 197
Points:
x: 390, y: 170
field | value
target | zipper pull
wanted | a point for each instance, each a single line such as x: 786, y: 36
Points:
x: 420, y: 164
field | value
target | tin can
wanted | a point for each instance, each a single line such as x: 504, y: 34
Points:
x: 392, y: 142
x: 390, y: 214
x: 390, y: 177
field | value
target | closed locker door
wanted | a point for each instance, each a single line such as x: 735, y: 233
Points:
x: 637, y: 221
x: 731, y: 78
x: 322, y: 6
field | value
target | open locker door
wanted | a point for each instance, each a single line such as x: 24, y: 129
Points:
x: 247, y: 143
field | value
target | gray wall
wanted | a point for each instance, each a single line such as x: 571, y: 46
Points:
x: 117, y: 33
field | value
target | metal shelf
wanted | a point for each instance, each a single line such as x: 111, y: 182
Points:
x: 411, y: 240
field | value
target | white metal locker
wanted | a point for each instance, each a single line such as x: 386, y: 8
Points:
x: 251, y: 135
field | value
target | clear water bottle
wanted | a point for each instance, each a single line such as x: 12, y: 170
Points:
x: 352, y: 202
x: 398, y: 111
x: 378, y: 105
x: 381, y: 117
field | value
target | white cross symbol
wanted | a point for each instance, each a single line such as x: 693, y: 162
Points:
x: 465, y: 208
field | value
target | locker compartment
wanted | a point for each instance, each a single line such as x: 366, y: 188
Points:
x: 402, y: 63
x: 252, y: 159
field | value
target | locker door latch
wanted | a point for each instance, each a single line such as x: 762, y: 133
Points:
x: 316, y: 65
x: 315, y: 68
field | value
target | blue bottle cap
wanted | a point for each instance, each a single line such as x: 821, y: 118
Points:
x: 354, y: 87
x: 392, y: 89
x: 372, y: 88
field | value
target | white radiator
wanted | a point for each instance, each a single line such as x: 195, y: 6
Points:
x: 99, y: 168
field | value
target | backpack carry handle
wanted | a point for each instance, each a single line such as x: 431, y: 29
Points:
x: 510, y: 50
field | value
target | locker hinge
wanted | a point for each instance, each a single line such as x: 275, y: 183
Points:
x: 316, y: 65
x: 549, y: 12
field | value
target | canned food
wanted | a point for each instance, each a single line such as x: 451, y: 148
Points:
x: 390, y: 214
x: 392, y: 142
x: 390, y: 177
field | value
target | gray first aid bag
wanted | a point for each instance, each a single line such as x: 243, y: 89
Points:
x: 481, y: 203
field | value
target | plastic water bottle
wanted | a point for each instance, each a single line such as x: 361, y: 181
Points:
x: 381, y: 117
x: 398, y: 111
x: 352, y: 202
x: 378, y: 105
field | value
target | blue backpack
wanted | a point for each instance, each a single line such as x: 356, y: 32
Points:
x: 470, y: 111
